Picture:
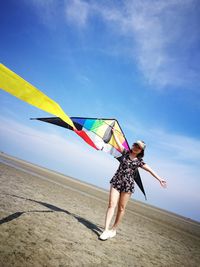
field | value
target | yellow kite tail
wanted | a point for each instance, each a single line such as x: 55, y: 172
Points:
x: 15, y: 85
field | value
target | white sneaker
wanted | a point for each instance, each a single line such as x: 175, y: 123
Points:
x: 105, y: 235
x: 112, y: 233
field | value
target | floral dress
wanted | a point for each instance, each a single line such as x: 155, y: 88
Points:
x: 123, y: 179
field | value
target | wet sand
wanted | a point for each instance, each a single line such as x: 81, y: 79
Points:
x: 48, y: 219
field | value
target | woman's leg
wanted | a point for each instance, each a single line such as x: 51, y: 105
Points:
x: 113, y: 200
x: 123, y: 200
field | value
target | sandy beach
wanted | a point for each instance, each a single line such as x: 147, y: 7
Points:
x: 48, y: 219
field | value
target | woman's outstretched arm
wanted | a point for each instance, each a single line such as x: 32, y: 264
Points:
x: 148, y: 169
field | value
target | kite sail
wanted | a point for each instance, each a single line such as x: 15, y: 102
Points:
x: 98, y: 133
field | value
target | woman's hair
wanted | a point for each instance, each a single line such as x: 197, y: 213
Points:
x: 140, y: 155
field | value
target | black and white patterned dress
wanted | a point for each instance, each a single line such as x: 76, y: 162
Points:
x: 123, y: 179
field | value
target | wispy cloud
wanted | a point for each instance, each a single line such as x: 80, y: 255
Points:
x: 162, y: 34
x: 181, y: 147
x: 159, y: 29
x: 78, y: 11
x: 176, y: 146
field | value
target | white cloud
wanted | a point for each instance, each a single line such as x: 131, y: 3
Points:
x: 181, y: 147
x: 77, y: 11
x: 158, y: 33
x: 157, y: 28
x: 162, y: 33
x: 178, y: 147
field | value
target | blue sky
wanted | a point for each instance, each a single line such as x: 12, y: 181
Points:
x: 137, y: 61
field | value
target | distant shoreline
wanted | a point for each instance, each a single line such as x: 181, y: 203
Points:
x: 25, y: 165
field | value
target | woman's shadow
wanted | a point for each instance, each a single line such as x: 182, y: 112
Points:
x: 52, y: 208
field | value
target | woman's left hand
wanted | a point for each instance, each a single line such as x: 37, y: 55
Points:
x: 163, y: 183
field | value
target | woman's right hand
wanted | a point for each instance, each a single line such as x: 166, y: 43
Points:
x: 163, y: 183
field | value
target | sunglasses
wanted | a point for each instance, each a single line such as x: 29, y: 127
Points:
x: 136, y: 145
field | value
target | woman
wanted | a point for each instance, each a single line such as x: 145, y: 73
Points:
x: 122, y: 184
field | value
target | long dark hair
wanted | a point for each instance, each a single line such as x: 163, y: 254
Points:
x: 141, y: 154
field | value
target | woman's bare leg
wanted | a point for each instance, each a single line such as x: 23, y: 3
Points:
x: 123, y: 200
x: 113, y: 200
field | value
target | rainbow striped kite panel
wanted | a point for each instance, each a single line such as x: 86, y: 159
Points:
x: 96, y: 132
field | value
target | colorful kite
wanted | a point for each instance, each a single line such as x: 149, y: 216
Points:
x: 96, y: 132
